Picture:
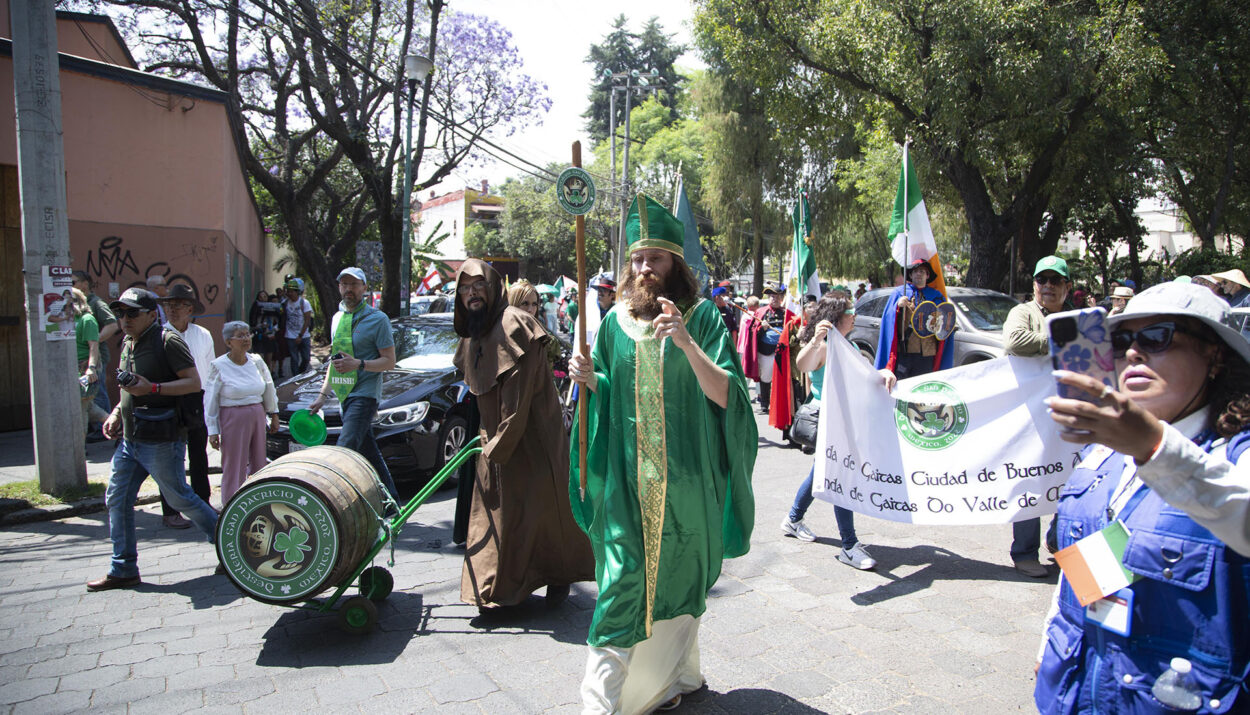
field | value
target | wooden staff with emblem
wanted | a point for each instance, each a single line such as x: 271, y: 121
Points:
x: 575, y: 192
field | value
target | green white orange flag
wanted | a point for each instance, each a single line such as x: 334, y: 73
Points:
x: 802, y: 280
x: 910, y: 235
x: 1094, y: 565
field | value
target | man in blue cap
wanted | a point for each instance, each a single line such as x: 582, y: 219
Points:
x: 728, y: 313
x: 362, y: 348
x: 298, y: 333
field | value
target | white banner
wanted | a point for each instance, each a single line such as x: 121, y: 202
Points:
x: 970, y: 445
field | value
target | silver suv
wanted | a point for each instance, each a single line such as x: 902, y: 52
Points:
x: 979, y: 313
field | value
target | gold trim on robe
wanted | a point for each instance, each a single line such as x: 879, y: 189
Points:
x: 652, y: 451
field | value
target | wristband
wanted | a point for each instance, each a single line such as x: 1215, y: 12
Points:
x: 156, y: 388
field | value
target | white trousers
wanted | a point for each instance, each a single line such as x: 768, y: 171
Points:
x: 767, y: 363
x: 627, y: 681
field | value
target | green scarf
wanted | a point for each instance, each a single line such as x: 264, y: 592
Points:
x: 343, y: 382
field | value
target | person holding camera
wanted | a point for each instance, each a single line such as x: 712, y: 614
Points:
x: 156, y: 368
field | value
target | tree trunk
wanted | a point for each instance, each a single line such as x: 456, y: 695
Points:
x: 757, y: 249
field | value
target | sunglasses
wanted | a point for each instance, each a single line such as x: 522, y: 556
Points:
x: 1153, y: 339
x: 1051, y: 280
x: 479, y: 287
x: 131, y: 312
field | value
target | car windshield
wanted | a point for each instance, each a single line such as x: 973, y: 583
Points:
x: 986, y: 312
x: 425, y: 346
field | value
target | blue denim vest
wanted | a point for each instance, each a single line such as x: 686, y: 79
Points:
x: 1191, y: 602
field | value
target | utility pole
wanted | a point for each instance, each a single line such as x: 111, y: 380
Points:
x: 649, y: 82
x: 55, y: 396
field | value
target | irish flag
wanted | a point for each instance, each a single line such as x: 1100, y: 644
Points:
x: 802, y: 280
x: 910, y: 235
x: 1094, y: 565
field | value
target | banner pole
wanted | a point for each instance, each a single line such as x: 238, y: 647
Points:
x: 582, y: 401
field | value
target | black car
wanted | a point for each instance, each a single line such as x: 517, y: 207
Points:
x: 423, y: 416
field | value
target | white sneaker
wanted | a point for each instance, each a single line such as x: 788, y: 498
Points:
x: 857, y: 556
x: 797, y: 529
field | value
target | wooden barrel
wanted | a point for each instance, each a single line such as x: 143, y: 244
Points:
x: 300, y: 525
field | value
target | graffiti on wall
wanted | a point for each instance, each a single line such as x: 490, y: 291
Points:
x: 111, y: 262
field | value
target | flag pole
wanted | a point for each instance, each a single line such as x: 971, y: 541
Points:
x: 582, y: 403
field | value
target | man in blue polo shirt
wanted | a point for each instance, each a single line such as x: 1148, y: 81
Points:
x: 362, y: 348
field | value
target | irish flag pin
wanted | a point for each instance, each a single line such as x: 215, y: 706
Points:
x: 1094, y: 565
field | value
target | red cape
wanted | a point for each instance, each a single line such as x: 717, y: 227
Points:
x: 781, y: 400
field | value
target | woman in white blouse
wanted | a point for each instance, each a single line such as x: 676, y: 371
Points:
x: 238, y: 394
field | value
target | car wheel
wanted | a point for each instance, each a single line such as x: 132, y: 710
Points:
x: 455, y: 435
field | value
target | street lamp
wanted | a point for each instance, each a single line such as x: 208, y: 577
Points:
x: 416, y: 68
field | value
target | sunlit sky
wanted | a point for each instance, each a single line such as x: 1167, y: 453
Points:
x: 553, y: 38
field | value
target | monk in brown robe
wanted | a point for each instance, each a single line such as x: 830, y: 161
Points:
x: 521, y: 530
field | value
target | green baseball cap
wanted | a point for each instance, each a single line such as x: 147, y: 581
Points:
x: 1052, y: 263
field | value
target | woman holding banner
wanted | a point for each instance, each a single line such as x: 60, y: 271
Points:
x: 835, y: 309
x: 1163, y: 496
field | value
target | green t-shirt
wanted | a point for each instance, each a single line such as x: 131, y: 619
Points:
x: 103, y: 317
x: 85, y: 330
x: 158, y: 355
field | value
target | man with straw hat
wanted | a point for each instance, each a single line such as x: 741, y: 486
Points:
x: 1235, y: 286
x: 180, y: 305
x: 669, y: 460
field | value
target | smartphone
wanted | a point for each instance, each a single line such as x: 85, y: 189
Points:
x: 1081, y: 342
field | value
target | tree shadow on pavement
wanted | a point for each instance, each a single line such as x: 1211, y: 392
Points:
x: 304, y: 637
x: 938, y: 565
x: 742, y: 700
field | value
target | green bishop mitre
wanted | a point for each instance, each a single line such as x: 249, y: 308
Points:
x: 653, y: 227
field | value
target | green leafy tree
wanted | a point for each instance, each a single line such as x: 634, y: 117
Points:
x: 534, y: 229
x: 1198, y: 128
x: 995, y: 96
x: 741, y: 158
x: 624, y: 51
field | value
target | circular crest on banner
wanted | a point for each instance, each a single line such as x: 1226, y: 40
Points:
x: 575, y: 191
x: 932, y: 425
x: 278, y: 541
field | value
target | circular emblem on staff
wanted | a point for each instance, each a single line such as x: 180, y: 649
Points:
x: 575, y: 191
x: 936, y: 423
x: 278, y: 541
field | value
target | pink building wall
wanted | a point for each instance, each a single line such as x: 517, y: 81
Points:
x: 153, y: 177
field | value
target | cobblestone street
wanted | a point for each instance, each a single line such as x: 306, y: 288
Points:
x: 943, y: 625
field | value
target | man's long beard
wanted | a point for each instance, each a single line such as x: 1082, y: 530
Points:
x: 644, y: 296
x: 475, y: 321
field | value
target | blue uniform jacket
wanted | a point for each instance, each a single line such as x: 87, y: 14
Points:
x: 1191, y: 602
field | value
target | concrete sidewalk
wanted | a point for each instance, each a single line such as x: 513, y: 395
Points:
x: 17, y: 464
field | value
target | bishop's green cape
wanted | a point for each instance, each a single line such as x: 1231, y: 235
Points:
x: 668, y: 496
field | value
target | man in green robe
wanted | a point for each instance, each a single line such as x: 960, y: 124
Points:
x: 672, y: 443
